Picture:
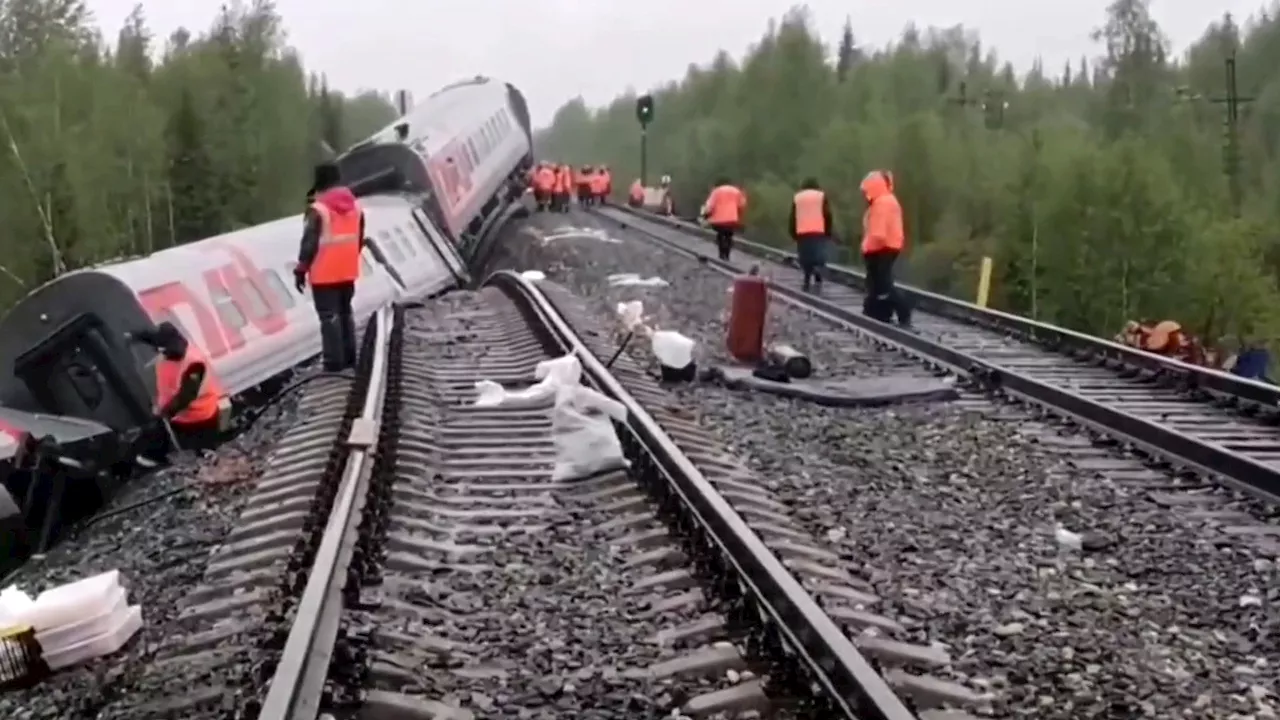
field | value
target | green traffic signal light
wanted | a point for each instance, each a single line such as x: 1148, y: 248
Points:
x: 644, y: 109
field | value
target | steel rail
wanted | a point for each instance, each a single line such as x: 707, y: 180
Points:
x: 296, y: 688
x: 1040, y: 333
x: 1235, y: 468
x: 851, y: 686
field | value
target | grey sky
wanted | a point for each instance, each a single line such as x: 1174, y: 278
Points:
x: 538, y: 44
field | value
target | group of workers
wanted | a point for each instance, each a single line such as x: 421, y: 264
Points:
x: 812, y: 229
x: 188, y: 394
x: 554, y: 184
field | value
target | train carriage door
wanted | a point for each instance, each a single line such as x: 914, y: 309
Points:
x: 78, y: 370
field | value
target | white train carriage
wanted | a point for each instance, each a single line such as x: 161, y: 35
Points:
x: 233, y: 295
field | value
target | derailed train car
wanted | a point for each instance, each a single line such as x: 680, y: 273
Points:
x: 76, y: 394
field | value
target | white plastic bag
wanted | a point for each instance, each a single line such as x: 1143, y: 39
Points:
x: 631, y: 315
x: 672, y: 349
x: 583, y: 434
x: 550, y: 374
x: 628, y: 279
x: 582, y: 429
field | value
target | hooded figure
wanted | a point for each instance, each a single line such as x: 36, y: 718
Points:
x: 882, y: 242
x: 329, y: 258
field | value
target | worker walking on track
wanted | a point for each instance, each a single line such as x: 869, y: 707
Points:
x: 723, y: 211
x: 599, y: 185
x: 583, y: 180
x: 187, y: 393
x: 882, y: 240
x: 544, y: 181
x: 811, y: 228
x: 329, y: 258
x: 562, y: 188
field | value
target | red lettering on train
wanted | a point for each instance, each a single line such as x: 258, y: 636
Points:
x: 165, y: 299
x: 218, y: 286
x: 243, y: 271
x: 229, y: 280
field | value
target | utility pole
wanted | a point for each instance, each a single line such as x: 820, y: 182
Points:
x: 994, y: 104
x: 1232, y: 101
x: 1231, y: 139
x: 644, y: 114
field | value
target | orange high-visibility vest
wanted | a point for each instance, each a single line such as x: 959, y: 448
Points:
x: 169, y: 377
x: 338, y: 259
x: 725, y: 205
x: 809, y: 219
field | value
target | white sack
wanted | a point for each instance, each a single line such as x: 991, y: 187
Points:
x: 672, y: 349
x: 627, y: 279
x: 582, y: 429
x: 631, y: 315
x: 585, y: 440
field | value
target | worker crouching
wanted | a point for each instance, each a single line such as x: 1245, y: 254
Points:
x: 188, y: 395
x: 811, y: 229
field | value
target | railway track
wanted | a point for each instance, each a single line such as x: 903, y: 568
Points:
x: 425, y: 565
x: 1192, y: 426
x: 948, y: 510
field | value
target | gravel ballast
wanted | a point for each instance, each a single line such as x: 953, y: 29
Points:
x: 950, y: 511
x: 160, y: 549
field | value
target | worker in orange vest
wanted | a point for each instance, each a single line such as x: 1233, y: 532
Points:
x: 811, y: 228
x: 608, y: 182
x: 544, y: 182
x: 560, y: 189
x: 188, y: 395
x: 329, y: 258
x: 883, y: 238
x: 599, y: 185
x: 583, y: 181
x: 635, y: 196
x: 723, y: 210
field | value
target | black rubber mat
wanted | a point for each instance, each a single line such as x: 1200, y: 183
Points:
x: 843, y: 392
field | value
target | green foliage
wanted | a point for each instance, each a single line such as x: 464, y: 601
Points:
x: 1100, y: 194
x: 112, y: 151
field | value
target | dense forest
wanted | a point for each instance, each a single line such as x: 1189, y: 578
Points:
x: 109, y: 149
x: 1118, y: 186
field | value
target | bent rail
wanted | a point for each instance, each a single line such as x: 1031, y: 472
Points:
x: 806, y: 634
x: 295, y: 689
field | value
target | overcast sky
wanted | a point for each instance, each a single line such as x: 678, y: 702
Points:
x: 554, y: 50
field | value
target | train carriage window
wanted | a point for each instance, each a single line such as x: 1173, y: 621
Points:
x: 391, y: 248
x: 228, y: 310
x: 413, y: 251
x: 259, y: 308
x: 413, y: 231
x: 279, y: 289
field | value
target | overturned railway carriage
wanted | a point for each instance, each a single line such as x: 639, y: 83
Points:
x: 466, y: 148
x: 71, y: 375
